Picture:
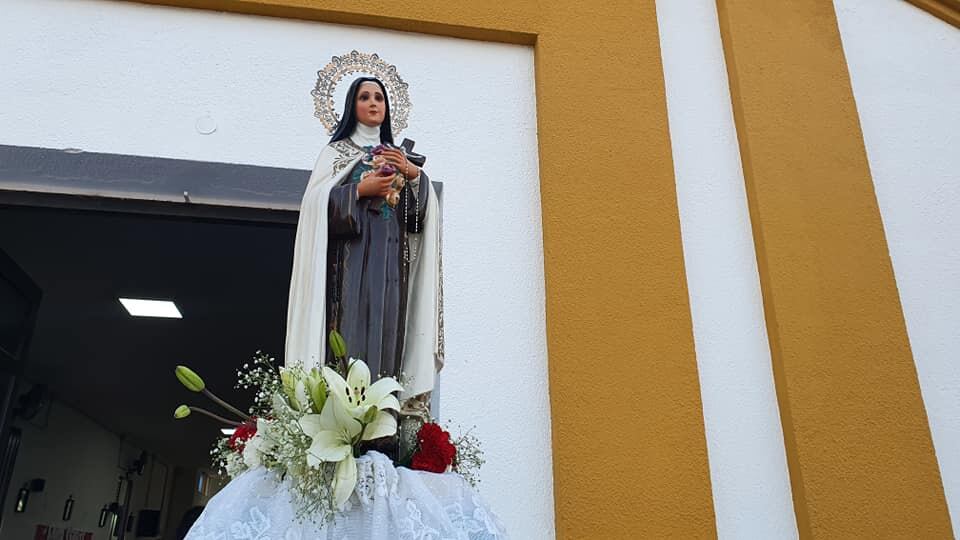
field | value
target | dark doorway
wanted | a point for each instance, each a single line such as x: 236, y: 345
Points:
x: 101, y: 422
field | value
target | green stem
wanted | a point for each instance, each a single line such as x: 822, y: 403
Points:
x: 214, y: 416
x: 226, y: 405
x: 356, y: 445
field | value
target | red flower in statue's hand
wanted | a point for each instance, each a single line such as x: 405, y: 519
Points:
x: 388, y: 170
x: 435, y: 452
x: 242, y: 434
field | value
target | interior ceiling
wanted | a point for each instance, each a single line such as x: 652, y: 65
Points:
x: 229, y: 279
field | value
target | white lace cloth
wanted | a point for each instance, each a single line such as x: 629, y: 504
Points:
x: 389, y: 503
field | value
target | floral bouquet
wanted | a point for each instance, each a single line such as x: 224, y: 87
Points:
x: 382, y: 168
x: 308, y: 426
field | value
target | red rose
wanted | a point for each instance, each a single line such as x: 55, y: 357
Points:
x: 242, y: 434
x: 435, y: 452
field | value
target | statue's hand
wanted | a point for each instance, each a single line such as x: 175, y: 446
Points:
x: 399, y: 160
x: 374, y: 185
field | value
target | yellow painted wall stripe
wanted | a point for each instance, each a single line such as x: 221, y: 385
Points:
x: 858, y: 445
x: 947, y: 10
x: 510, y: 22
x: 629, y: 449
x: 625, y: 395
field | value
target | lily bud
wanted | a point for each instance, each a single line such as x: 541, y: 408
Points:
x: 182, y: 412
x: 337, y: 345
x: 189, y: 378
x: 290, y: 388
x: 286, y: 378
x: 371, y: 415
x: 317, y: 388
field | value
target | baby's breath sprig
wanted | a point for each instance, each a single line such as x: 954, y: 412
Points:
x: 469, y: 458
x: 262, y: 376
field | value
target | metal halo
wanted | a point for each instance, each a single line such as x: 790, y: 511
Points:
x: 357, y: 62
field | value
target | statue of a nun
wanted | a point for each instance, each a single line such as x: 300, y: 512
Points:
x: 367, y: 256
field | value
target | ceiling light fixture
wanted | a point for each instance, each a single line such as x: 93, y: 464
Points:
x: 151, y: 308
x: 227, y: 431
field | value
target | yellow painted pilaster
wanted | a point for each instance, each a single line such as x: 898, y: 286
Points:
x: 861, y: 460
x: 628, y: 430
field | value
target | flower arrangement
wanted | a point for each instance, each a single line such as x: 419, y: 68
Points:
x: 308, y: 426
x: 382, y: 168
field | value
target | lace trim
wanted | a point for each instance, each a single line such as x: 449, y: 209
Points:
x: 256, y: 506
x: 348, y: 151
x: 374, y: 480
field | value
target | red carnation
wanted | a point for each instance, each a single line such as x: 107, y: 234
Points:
x: 435, y: 452
x: 242, y: 434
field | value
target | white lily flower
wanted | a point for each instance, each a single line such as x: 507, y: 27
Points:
x: 344, y: 480
x: 358, y: 394
x: 383, y: 425
x: 333, y: 432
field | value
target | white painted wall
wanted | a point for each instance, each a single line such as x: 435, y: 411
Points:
x: 134, y: 79
x: 905, y: 69
x: 748, y: 468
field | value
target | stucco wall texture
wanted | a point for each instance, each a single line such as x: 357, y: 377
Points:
x: 903, y: 67
x: 748, y: 466
x: 857, y: 439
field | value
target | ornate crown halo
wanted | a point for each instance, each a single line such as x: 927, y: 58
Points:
x: 357, y: 62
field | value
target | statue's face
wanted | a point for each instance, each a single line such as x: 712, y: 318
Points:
x: 371, y: 107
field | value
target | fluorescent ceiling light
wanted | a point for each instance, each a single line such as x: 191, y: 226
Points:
x: 227, y: 431
x: 151, y: 308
